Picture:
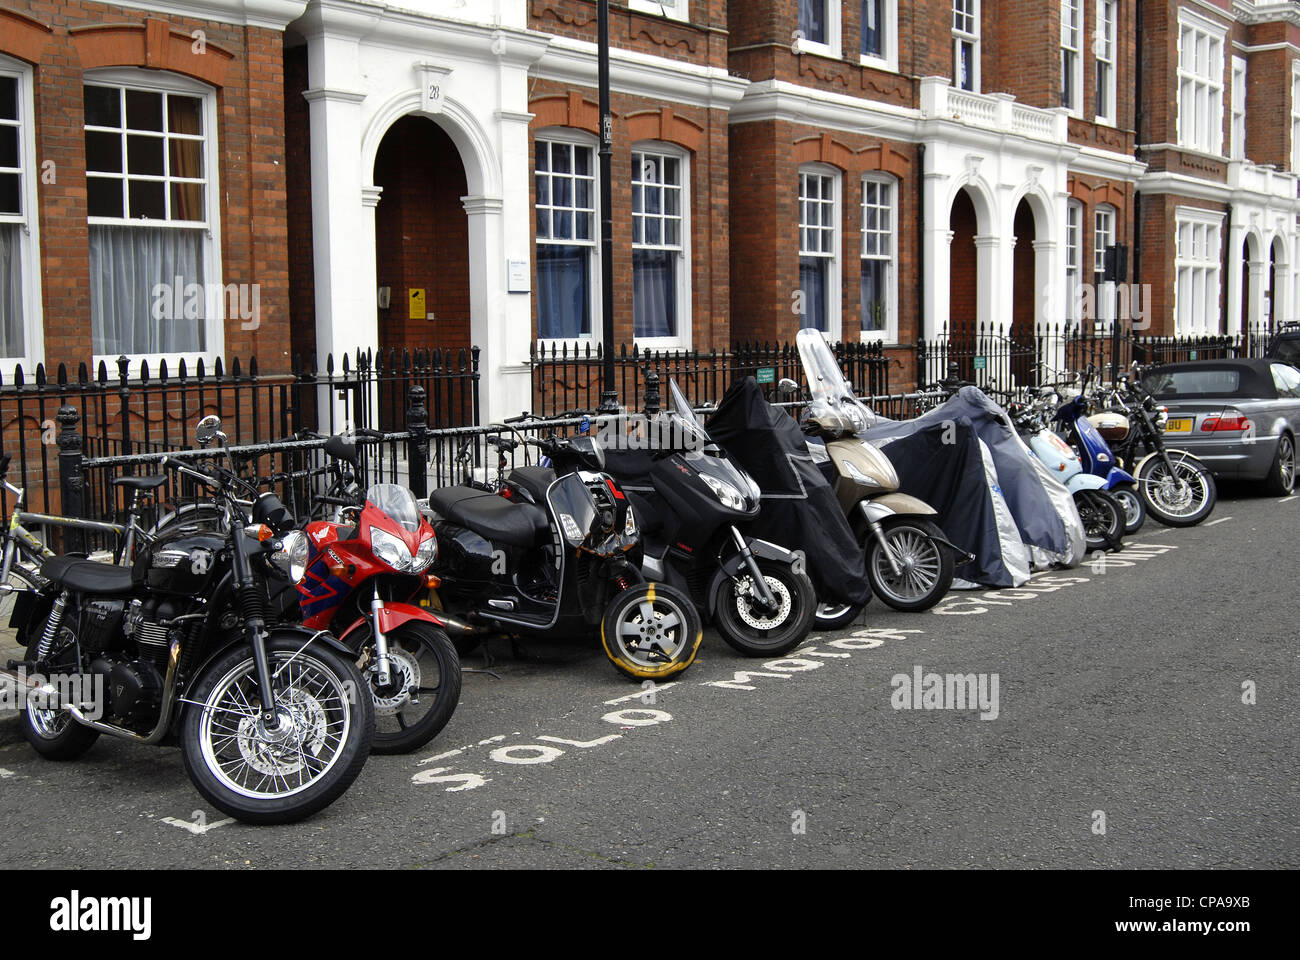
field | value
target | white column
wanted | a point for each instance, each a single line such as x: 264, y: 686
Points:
x: 1258, y: 289
x: 937, y: 243
x: 500, y: 322
x: 1233, y: 321
x: 994, y: 259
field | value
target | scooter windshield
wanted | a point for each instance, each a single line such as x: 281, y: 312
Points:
x: 694, y: 435
x: 398, y: 503
x: 829, y: 388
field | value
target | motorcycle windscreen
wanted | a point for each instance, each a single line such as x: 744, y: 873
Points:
x: 572, y: 508
x: 694, y: 435
x: 398, y: 503
x: 827, y: 384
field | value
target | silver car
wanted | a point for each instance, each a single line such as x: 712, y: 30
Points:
x: 1241, y: 417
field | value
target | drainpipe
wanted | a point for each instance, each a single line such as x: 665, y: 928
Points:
x: 1226, y: 252
x: 920, y: 254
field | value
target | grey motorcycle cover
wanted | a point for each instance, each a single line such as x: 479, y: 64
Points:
x: 799, y: 509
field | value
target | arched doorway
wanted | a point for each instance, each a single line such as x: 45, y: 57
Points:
x: 963, y: 284
x: 1276, y: 284
x: 421, y: 255
x: 1244, y: 320
x: 1024, y: 295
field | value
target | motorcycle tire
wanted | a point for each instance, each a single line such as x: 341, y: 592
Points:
x: 1103, y: 519
x: 1160, y: 490
x: 928, y: 564
x: 836, y: 616
x: 1135, y: 510
x: 636, y: 639
x: 322, y: 695
x: 417, y: 647
x: 54, y: 734
x: 749, y: 629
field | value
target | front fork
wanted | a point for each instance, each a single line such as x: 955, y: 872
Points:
x: 760, y: 587
x: 878, y: 531
x: 382, y: 666
x: 254, y: 616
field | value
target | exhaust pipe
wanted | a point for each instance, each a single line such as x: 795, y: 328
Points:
x: 460, y: 626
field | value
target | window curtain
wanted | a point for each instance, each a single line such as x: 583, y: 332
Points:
x: 875, y: 307
x: 11, y: 291
x: 126, y: 264
x: 873, y: 30
x: 563, y: 282
x: 812, y: 281
x: 654, y: 293
x: 812, y: 20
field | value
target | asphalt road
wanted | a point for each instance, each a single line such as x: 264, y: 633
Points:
x: 1121, y: 739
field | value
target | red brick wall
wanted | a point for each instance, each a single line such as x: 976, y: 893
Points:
x: 246, y: 67
x: 302, y: 276
x: 963, y: 262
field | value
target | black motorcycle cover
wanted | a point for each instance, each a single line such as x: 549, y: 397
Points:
x: 799, y: 509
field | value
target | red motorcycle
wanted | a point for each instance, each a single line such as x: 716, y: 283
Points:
x: 363, y: 582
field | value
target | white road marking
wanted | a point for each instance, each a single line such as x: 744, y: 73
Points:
x: 1289, y: 499
x: 640, y: 695
x: 199, y: 825
x: 6, y: 774
x: 1220, y: 520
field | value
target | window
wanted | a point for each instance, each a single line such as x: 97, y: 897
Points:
x: 1103, y: 236
x: 819, y: 249
x: 1238, y: 108
x: 1073, y: 260
x: 1071, y: 55
x: 1295, y: 117
x: 1200, y: 86
x: 660, y: 230
x: 565, y: 211
x: 672, y: 9
x: 879, y: 314
x: 965, y: 44
x: 1105, y: 49
x: 151, y: 195
x: 20, y: 287
x: 1196, y: 259
x: 879, y: 29
x: 819, y: 27
x: 1286, y: 379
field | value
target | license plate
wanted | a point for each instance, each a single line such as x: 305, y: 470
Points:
x: 1179, y: 425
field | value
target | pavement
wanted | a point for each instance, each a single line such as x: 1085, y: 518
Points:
x: 1145, y: 716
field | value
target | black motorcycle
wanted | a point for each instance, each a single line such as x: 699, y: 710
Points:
x: 557, y: 562
x: 695, y: 507
x: 180, y: 647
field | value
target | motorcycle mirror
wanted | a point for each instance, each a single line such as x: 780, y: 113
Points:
x: 787, y: 387
x: 208, y: 429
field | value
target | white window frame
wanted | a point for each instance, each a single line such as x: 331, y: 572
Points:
x: 1072, y: 54
x: 156, y: 81
x: 1197, y: 278
x: 669, y: 9
x: 1105, y: 47
x: 1103, y: 236
x: 574, y: 138
x: 834, y: 29
x: 960, y: 36
x: 1295, y: 116
x: 834, y: 278
x: 29, y: 223
x: 684, y: 314
x: 888, y: 58
x: 1073, y: 260
x: 1239, y: 76
x: 1200, y: 92
x: 890, y: 257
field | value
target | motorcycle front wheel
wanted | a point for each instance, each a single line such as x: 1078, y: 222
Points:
x: 651, y: 631
x: 1181, y: 494
x: 758, y: 632
x: 1103, y: 519
x: 1135, y: 510
x: 422, y: 691
x: 281, y: 775
x: 925, y: 561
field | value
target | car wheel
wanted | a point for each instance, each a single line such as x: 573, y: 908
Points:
x: 1281, y: 476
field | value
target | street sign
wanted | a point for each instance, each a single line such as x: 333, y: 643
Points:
x: 1192, y: 356
x: 766, y: 375
x: 981, y: 363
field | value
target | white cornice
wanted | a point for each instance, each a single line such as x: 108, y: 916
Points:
x: 271, y: 14
x: 1096, y: 162
x: 1278, y: 11
x: 1181, y: 185
x: 574, y: 62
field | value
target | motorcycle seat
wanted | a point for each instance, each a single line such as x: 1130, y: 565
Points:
x: 535, y: 480
x: 494, y: 518
x: 87, y: 576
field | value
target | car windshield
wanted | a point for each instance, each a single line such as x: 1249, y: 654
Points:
x: 694, y: 435
x: 398, y: 502
x: 827, y: 383
x: 1197, y: 382
x: 1286, y: 348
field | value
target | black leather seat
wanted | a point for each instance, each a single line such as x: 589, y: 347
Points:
x: 535, y: 480
x: 87, y: 576
x: 147, y: 482
x: 492, y: 517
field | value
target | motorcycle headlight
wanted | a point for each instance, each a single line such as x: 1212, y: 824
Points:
x: 425, y: 554
x: 725, y: 492
x: 390, y: 549
x: 290, y: 556
x: 755, y: 491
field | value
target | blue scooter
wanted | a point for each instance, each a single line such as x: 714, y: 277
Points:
x: 1088, y: 435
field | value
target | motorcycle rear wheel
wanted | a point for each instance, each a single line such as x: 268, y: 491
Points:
x: 756, y: 633
x: 1103, y: 519
x: 836, y: 616
x: 651, y: 631
x: 1135, y: 510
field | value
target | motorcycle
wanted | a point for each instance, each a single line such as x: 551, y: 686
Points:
x: 694, y: 513
x: 1175, y: 486
x: 509, y: 565
x: 1102, y: 515
x: 909, y: 561
x: 180, y: 646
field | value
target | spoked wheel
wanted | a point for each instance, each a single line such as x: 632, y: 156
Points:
x: 263, y: 774
x: 422, y: 690
x: 1103, y: 519
x: 54, y: 734
x: 835, y: 616
x: 757, y: 631
x: 925, y: 564
x: 1181, y: 494
x: 651, y: 631
x: 1135, y: 511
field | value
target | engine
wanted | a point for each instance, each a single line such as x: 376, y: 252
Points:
x: 129, y: 645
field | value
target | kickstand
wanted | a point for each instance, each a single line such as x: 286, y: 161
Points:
x: 488, y: 662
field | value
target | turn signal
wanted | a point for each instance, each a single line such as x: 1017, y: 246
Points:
x: 264, y: 532
x: 432, y: 582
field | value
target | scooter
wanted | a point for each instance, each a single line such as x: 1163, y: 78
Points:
x: 909, y: 561
x: 509, y: 565
x: 695, y: 506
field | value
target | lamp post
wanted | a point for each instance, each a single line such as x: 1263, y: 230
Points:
x: 609, y: 395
